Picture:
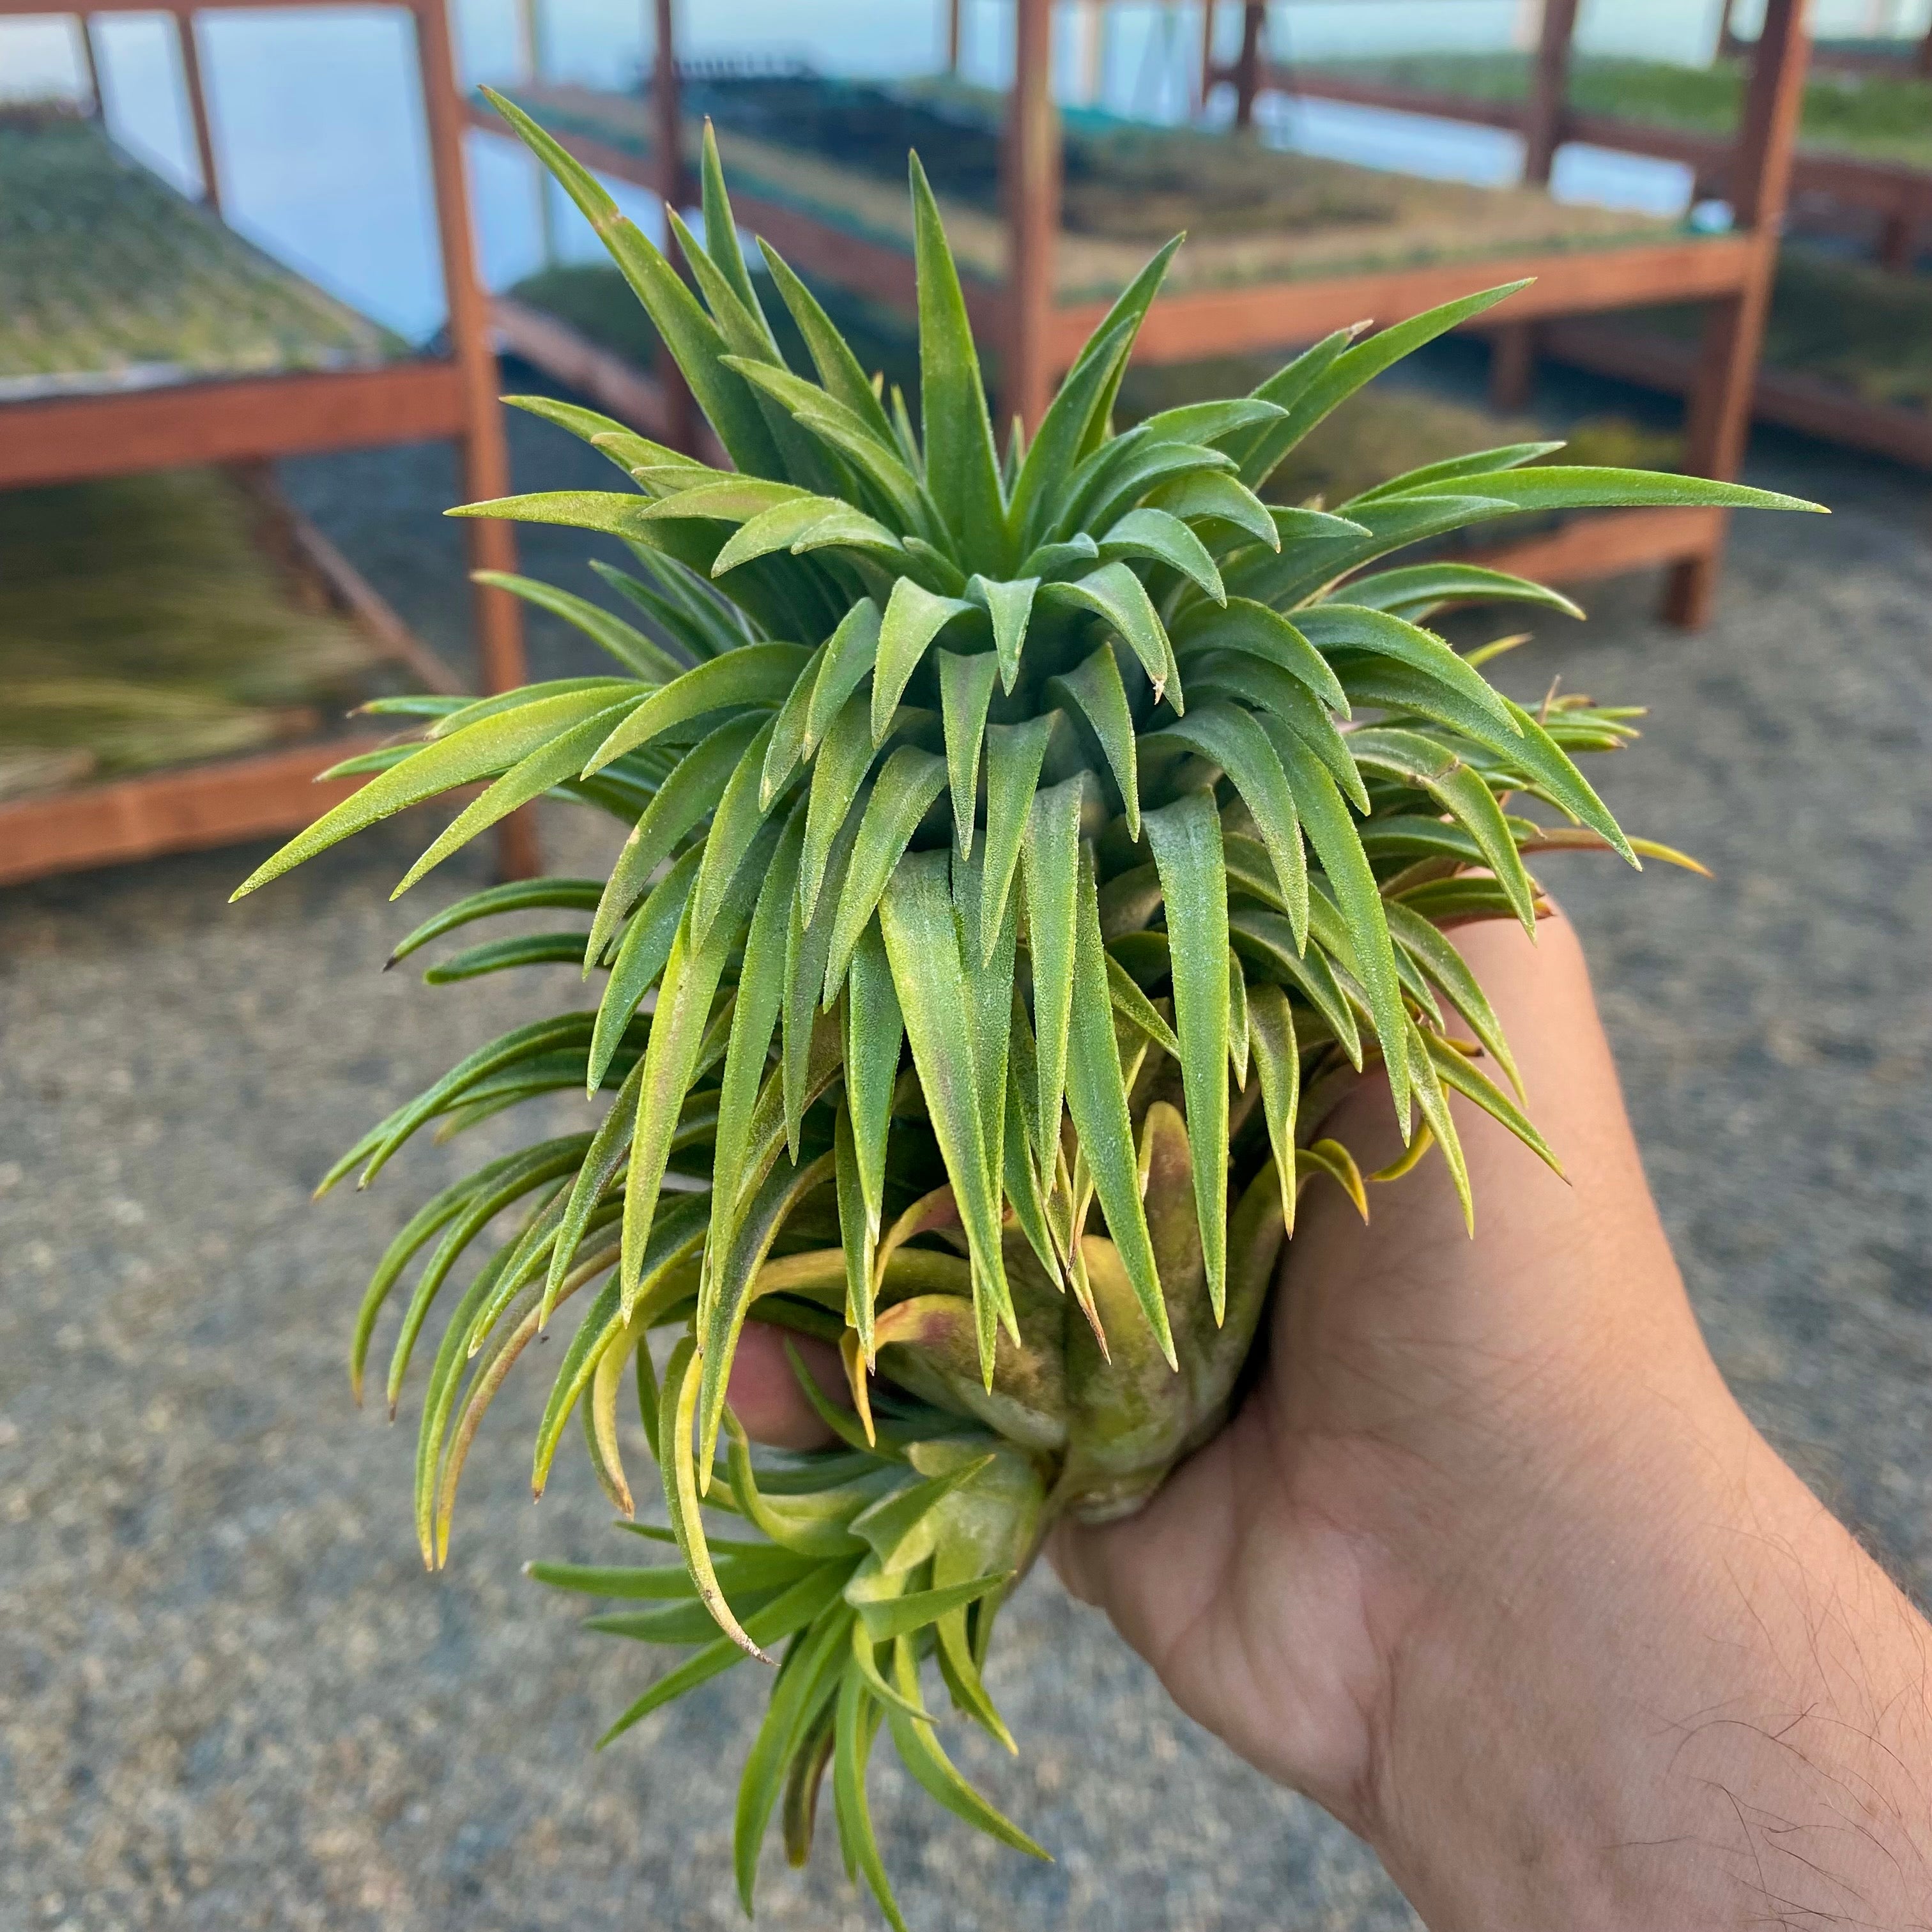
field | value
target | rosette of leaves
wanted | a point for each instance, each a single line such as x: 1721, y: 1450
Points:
x: 1025, y: 846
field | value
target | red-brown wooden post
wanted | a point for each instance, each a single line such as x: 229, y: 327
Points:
x: 90, y: 64
x: 1032, y: 158
x: 1248, y: 63
x: 673, y: 187
x: 1208, y: 73
x: 197, y: 106
x: 1512, y: 363
x: 952, y: 11
x: 1721, y: 400
x: 1923, y: 61
x: 483, y: 454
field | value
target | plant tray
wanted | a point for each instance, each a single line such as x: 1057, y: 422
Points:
x: 110, y: 280
x: 1257, y: 215
x: 178, y: 651
x: 1871, y: 116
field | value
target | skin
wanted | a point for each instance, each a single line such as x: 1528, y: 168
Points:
x: 1491, y: 1564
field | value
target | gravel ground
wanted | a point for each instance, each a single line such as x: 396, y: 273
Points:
x: 231, y: 1697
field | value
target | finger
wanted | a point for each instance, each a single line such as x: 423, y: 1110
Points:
x: 764, y: 1393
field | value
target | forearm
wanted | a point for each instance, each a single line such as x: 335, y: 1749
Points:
x: 1706, y: 1706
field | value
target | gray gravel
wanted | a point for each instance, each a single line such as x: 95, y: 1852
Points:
x: 229, y: 1696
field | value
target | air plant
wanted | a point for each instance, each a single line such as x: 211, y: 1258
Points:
x: 1025, y: 849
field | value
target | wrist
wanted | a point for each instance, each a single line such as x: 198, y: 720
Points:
x: 1681, y: 1697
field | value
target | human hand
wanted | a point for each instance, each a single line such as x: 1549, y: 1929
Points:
x: 1490, y: 1564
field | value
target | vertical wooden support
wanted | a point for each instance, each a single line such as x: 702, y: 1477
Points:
x: 1248, y: 63
x: 1720, y: 398
x: 1922, y: 63
x: 197, y: 106
x: 953, y: 8
x: 90, y: 64
x: 483, y: 453
x: 1512, y: 357
x: 1032, y: 158
x: 673, y: 190
x: 1207, y: 74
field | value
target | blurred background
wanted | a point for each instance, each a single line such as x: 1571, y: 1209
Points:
x: 246, y: 359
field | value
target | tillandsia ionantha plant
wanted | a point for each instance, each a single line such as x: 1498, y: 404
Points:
x: 1025, y: 849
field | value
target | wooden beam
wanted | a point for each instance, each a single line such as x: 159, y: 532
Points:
x: 185, y: 810
x: 1720, y: 402
x: 1606, y: 543
x: 1032, y: 156
x: 1196, y: 323
x: 1248, y: 62
x: 90, y: 64
x: 189, y: 50
x: 64, y: 439
x: 1512, y: 363
x: 483, y: 454
x: 674, y: 188
x: 1787, y: 397
x: 953, y: 9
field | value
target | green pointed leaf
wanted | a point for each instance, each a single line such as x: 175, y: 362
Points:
x: 1096, y: 1096
x: 1407, y: 756
x: 644, y: 656
x: 1456, y: 1070
x: 1009, y: 606
x: 1185, y: 837
x: 1213, y: 496
x: 1229, y: 737
x: 1095, y: 691
x: 1162, y: 536
x: 918, y: 1747
x: 1050, y: 877
x: 1014, y: 755
x: 914, y: 616
x: 480, y: 750
x: 735, y: 1282
x: 526, y: 780
x: 1255, y: 631
x: 686, y: 331
x: 1278, y: 1059
x: 961, y: 469
x: 758, y: 674
x: 1064, y: 431
x: 1325, y: 816
x: 733, y: 842
x: 1450, y: 972
x: 1345, y: 627
x: 1335, y: 374
x: 921, y: 941
x: 1528, y: 748
x: 1115, y: 594
x: 907, y: 786
x: 839, y: 369
x: 839, y: 770
x: 1567, y: 486
x: 1135, y: 1007
x: 678, y: 1029
x: 965, y: 689
x: 754, y: 1016
x: 875, y: 1028
x: 641, y: 955
x: 688, y: 797
x: 1417, y: 591
x: 849, y: 654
